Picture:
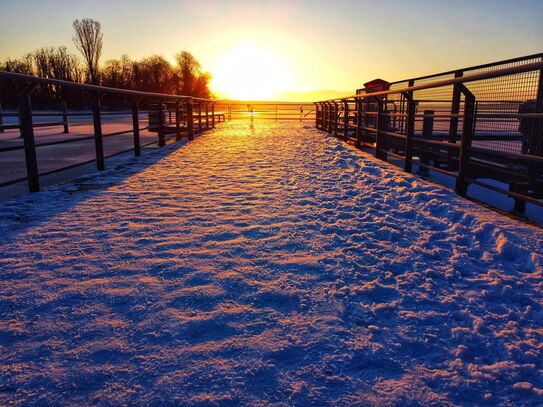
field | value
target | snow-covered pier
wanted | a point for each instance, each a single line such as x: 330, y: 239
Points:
x: 266, y: 263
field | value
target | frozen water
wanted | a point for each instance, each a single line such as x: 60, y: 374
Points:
x: 266, y: 264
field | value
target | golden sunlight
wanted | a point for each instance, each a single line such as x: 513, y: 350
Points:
x: 249, y: 72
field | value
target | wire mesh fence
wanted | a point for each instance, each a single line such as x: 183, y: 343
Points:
x: 481, y: 125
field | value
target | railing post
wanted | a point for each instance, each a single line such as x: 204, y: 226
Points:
x: 345, y: 119
x: 161, y: 134
x: 207, y: 115
x: 378, y: 136
x: 336, y: 117
x: 98, y: 138
x: 1, y: 119
x: 325, y: 116
x: 212, y: 115
x: 358, y: 123
x: 190, y: 120
x: 65, y: 117
x: 178, y: 135
x: 455, y: 109
x: 453, y: 127
x: 26, y: 128
x: 409, y: 131
x: 136, y: 126
x: 199, y: 116
x: 465, y: 142
x: 317, y: 116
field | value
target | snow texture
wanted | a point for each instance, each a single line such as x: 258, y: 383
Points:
x: 266, y: 264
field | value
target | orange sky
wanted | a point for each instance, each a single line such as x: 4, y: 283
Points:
x: 290, y: 50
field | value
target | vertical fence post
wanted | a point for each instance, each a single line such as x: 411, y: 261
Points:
x: 465, y: 142
x: 378, y: 136
x: 207, y: 115
x: 212, y: 115
x: 358, y: 123
x: 336, y: 117
x: 316, y: 115
x: 1, y: 119
x: 98, y: 137
x: 326, y: 117
x: 136, y: 126
x: 345, y: 119
x: 199, y: 116
x: 409, y: 131
x: 161, y: 129
x: 178, y: 135
x: 27, y: 133
x: 65, y: 117
x: 453, y: 126
x: 190, y: 120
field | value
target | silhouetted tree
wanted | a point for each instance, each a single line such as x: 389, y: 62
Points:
x: 88, y: 40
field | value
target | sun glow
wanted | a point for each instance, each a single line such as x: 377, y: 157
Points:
x: 249, y: 72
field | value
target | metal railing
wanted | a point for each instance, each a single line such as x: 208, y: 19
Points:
x: 276, y: 111
x: 168, y: 115
x: 482, y: 126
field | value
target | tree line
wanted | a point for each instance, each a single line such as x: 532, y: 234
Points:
x: 151, y: 74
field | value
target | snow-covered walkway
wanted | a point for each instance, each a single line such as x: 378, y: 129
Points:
x: 266, y: 264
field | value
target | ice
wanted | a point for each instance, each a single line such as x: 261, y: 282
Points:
x: 266, y: 263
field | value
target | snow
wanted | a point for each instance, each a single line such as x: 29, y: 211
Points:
x: 262, y: 264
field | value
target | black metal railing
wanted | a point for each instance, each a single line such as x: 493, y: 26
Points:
x: 164, y: 115
x: 481, y: 125
x: 276, y: 111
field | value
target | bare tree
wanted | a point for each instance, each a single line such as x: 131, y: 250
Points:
x: 88, y: 40
x: 188, y: 70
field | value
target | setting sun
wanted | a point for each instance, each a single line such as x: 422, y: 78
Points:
x: 249, y: 72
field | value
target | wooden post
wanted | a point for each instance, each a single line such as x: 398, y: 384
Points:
x: 136, y: 126
x: 465, y: 142
x: 207, y: 115
x: 1, y: 119
x: 190, y: 120
x: 212, y: 115
x: 378, y: 127
x: 409, y: 131
x: 98, y: 138
x: 26, y: 128
x: 65, y: 117
x: 316, y: 115
x: 345, y: 119
x: 161, y: 129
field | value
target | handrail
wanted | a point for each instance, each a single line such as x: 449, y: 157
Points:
x: 472, y: 68
x: 476, y: 134
x: 95, y: 88
x: 534, y: 66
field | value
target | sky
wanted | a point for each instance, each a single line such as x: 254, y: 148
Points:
x: 300, y: 47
